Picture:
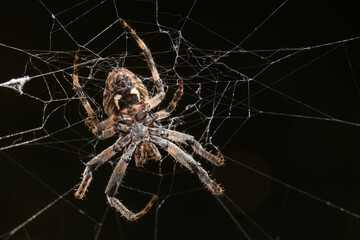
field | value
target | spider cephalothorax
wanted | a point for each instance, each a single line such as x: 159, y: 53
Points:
x: 130, y: 114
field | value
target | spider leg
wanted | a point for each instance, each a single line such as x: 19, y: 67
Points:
x: 96, y: 162
x: 177, y: 95
x: 106, y: 128
x: 92, y: 120
x: 100, y: 129
x: 187, y: 139
x: 114, y: 183
x: 156, y: 100
x: 187, y: 161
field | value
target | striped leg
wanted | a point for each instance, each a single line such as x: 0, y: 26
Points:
x: 153, y: 102
x: 96, y: 162
x: 114, y: 183
x: 187, y: 139
x: 166, y: 112
x: 99, y: 129
x: 187, y: 161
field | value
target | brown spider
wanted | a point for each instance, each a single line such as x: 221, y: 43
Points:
x: 129, y: 109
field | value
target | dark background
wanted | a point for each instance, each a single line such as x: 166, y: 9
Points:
x: 287, y: 173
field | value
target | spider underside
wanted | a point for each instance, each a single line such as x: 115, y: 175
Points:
x: 129, y: 108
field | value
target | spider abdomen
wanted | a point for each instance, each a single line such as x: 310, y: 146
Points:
x: 123, y: 89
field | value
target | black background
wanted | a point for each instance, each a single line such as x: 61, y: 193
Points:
x: 284, y: 172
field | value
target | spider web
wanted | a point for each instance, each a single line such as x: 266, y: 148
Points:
x: 272, y: 85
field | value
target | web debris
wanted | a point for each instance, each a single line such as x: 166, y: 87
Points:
x: 16, y: 83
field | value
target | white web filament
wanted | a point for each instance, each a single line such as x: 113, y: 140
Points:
x: 16, y: 83
x: 281, y: 103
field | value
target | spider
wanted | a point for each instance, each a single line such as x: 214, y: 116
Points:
x: 129, y: 108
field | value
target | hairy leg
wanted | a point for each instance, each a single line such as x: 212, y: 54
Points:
x: 96, y: 162
x: 100, y: 129
x: 153, y: 102
x: 177, y: 95
x: 187, y: 161
x: 114, y: 183
x: 187, y: 139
